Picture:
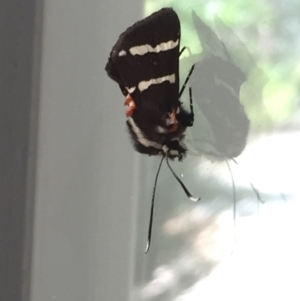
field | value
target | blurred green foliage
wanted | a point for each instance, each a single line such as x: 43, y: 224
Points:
x: 266, y: 32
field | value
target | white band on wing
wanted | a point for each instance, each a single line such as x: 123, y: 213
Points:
x: 140, y: 135
x: 144, y: 85
x: 143, y: 49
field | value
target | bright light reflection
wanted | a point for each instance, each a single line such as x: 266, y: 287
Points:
x: 258, y: 259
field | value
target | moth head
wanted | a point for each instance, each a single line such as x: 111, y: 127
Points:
x: 147, y: 142
x: 174, y: 149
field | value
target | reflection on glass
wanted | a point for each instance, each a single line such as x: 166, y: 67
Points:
x: 198, y: 250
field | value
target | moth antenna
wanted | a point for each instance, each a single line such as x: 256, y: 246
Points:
x: 186, y: 81
x: 234, y: 205
x: 182, y: 185
x: 152, y: 207
x: 252, y: 186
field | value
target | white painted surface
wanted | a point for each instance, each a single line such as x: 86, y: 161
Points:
x: 85, y: 213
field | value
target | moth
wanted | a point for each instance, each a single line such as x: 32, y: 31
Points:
x: 144, y: 62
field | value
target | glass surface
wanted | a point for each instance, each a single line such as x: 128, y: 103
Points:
x: 201, y: 250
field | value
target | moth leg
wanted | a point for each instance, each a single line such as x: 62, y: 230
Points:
x: 191, y: 108
x: 184, y: 117
x: 131, y: 105
x: 181, y: 51
x: 186, y: 81
x: 185, y: 48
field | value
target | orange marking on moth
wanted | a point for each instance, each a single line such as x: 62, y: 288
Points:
x: 174, y: 121
x: 173, y: 128
x: 131, y: 105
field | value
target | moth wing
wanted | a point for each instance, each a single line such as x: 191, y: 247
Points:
x: 145, y: 59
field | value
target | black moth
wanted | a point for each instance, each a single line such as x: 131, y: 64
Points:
x: 145, y: 64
